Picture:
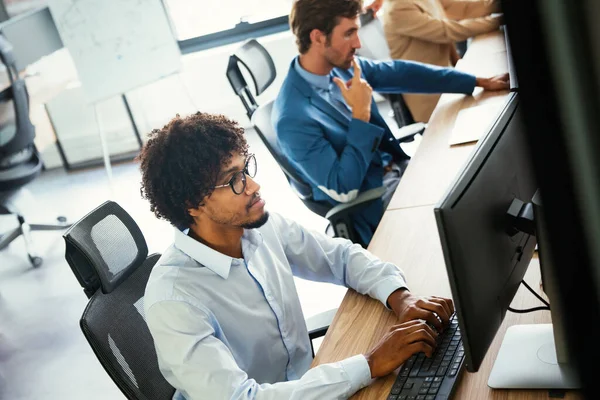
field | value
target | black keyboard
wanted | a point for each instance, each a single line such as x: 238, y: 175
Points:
x: 434, y: 378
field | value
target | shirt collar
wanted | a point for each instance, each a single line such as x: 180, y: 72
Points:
x: 217, y: 262
x: 316, y: 81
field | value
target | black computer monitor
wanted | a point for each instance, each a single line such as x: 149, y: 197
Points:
x: 556, y: 48
x: 487, y: 229
x: 512, y: 72
x: 485, y: 264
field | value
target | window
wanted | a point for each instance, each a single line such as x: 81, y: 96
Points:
x: 192, y: 19
x: 16, y: 7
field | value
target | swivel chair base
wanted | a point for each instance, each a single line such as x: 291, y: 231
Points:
x: 25, y: 229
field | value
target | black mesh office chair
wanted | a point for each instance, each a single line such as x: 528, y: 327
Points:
x: 257, y: 61
x: 20, y: 162
x: 109, y: 256
x: 259, y: 65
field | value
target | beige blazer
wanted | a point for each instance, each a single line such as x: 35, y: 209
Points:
x: 426, y: 31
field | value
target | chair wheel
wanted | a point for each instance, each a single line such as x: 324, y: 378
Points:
x: 35, y: 261
x: 61, y: 219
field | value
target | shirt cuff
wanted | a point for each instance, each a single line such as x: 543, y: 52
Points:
x: 358, y: 372
x: 383, y: 289
x: 471, y: 83
x: 365, y: 135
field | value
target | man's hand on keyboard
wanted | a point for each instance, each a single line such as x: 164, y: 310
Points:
x: 401, y: 342
x: 435, y: 310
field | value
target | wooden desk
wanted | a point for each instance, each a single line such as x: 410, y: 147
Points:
x: 361, y: 321
x: 435, y: 163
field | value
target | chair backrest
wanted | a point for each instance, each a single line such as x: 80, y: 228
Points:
x: 374, y: 46
x: 402, y: 114
x: 108, y: 254
x: 259, y: 64
x: 16, y: 130
x: 261, y: 120
x: 19, y: 159
x: 372, y: 38
x: 104, y: 248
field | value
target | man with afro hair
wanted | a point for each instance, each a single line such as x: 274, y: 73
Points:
x: 221, y: 303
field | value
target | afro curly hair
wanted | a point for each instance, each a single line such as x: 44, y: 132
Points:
x: 181, y: 162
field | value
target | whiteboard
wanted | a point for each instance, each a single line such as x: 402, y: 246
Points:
x: 116, y: 45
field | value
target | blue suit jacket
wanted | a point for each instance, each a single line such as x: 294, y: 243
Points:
x: 338, y: 157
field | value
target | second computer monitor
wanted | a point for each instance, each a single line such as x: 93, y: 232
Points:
x: 512, y: 72
x: 485, y: 257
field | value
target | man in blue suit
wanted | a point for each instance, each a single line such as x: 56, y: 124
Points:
x: 325, y: 117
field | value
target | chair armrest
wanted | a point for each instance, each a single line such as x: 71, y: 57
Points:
x: 407, y: 133
x: 360, y: 201
x: 317, y: 324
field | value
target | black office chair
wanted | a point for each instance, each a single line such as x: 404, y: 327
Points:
x: 20, y: 161
x: 259, y: 64
x: 109, y: 256
x: 257, y: 61
x: 461, y: 47
x: 374, y: 46
x: 339, y: 216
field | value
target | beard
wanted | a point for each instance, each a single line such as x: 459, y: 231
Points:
x: 336, y: 59
x: 257, y: 223
x: 340, y: 62
x: 345, y: 65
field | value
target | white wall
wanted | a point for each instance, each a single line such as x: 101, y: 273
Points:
x: 201, y: 85
x: 207, y: 86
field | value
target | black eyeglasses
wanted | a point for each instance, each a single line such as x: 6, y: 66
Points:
x: 238, y: 180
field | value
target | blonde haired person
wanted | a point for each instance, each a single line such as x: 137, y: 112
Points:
x: 427, y: 30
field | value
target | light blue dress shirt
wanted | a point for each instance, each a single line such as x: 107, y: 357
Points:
x: 227, y: 328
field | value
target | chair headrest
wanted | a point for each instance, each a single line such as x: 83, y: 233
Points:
x: 18, y: 132
x: 104, y: 248
x: 258, y: 62
x: 372, y: 38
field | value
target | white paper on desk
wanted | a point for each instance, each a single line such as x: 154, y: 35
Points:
x: 461, y: 65
x: 472, y: 123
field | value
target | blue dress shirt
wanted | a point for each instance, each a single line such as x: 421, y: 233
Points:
x: 340, y: 158
x: 227, y: 328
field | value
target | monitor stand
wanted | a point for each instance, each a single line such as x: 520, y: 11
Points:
x: 536, y: 356
x: 527, y: 360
